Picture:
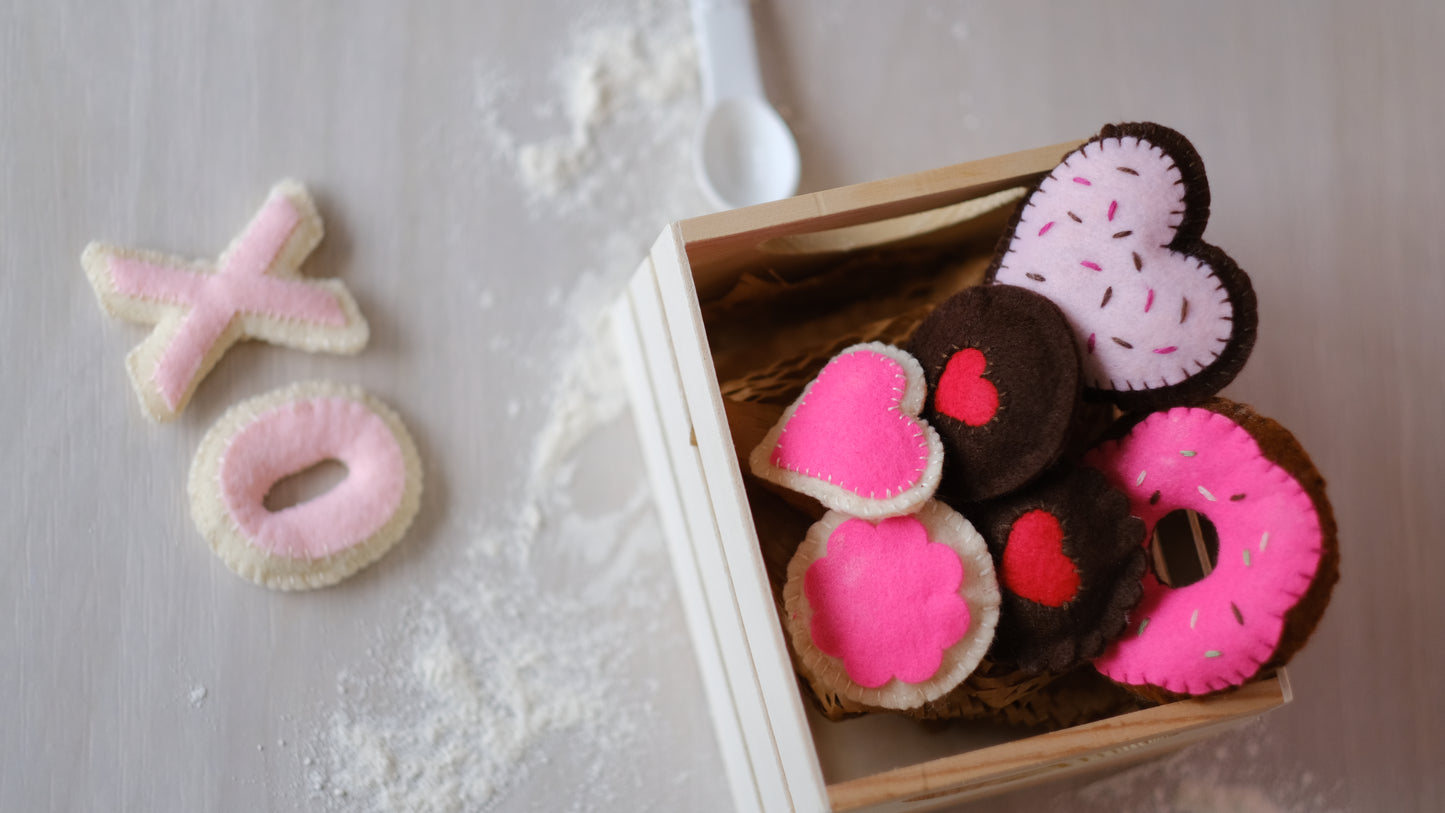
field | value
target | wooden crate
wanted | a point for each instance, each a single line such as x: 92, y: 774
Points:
x: 780, y: 754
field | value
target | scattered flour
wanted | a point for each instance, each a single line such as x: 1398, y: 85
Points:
x: 507, y: 667
x: 491, y: 678
x: 630, y: 85
x: 197, y: 696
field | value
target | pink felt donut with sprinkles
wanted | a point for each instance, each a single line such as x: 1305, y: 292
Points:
x: 323, y: 540
x: 1112, y: 236
x: 1277, y: 559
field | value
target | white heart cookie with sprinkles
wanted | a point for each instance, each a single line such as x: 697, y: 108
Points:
x: 1113, y: 236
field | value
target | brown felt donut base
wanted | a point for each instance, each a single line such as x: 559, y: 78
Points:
x: 1105, y: 545
x: 1187, y: 240
x: 1281, y: 447
x: 1031, y: 360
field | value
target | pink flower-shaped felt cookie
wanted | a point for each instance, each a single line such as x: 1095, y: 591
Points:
x: 892, y: 614
x: 854, y: 439
x: 1112, y: 236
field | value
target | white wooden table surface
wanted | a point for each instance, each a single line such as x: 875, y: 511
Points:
x: 162, y: 124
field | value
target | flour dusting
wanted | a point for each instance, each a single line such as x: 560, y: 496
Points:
x: 510, y: 667
x: 624, y: 105
x: 494, y: 682
x: 511, y: 678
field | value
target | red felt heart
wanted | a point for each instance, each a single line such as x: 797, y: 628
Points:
x: 1034, y: 564
x: 963, y: 392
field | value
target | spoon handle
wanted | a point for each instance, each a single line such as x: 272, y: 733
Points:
x: 726, y: 50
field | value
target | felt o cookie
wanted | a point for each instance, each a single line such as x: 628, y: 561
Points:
x: 1113, y: 236
x: 1003, y: 384
x: 854, y: 439
x: 894, y: 613
x: 1069, y: 559
x: 1278, y: 557
x: 323, y: 540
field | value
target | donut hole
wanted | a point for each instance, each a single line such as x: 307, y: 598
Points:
x: 305, y: 485
x: 1185, y: 547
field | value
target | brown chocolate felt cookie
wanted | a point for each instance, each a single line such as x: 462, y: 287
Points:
x: 1003, y: 387
x: 1069, y: 559
x: 1113, y: 236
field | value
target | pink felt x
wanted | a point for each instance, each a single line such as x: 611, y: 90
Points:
x: 254, y: 291
x: 240, y: 286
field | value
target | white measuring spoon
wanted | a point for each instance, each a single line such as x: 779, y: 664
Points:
x: 745, y: 153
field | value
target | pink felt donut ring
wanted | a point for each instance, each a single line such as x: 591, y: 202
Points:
x: 1277, y: 558
x: 323, y: 540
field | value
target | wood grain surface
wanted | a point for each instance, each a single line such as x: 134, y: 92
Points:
x: 162, y: 124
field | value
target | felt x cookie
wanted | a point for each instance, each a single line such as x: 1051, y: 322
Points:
x: 200, y: 308
x: 1113, y: 237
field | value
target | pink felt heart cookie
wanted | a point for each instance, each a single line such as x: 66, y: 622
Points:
x: 1112, y: 236
x: 854, y: 439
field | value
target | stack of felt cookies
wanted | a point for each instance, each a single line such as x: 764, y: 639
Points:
x: 995, y: 486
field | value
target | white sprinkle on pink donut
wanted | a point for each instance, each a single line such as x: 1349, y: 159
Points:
x: 1219, y: 631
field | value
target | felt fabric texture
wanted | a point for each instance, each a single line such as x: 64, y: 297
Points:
x: 963, y: 392
x: 321, y: 541
x: 1070, y: 559
x: 1008, y: 354
x: 1035, y: 566
x: 854, y: 439
x: 1277, y: 550
x: 892, y: 613
x: 885, y: 600
x: 293, y: 437
x: 1112, y: 236
x: 200, y: 309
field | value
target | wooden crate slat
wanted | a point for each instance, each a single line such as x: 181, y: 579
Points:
x: 646, y: 415
x: 737, y: 663
x: 1047, y: 756
x: 774, y: 670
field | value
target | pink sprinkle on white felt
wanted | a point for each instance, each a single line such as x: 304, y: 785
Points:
x: 891, y: 614
x: 854, y: 439
x: 1097, y: 237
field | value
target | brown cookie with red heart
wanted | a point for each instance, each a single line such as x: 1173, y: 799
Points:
x: 1069, y: 559
x: 1003, y: 388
